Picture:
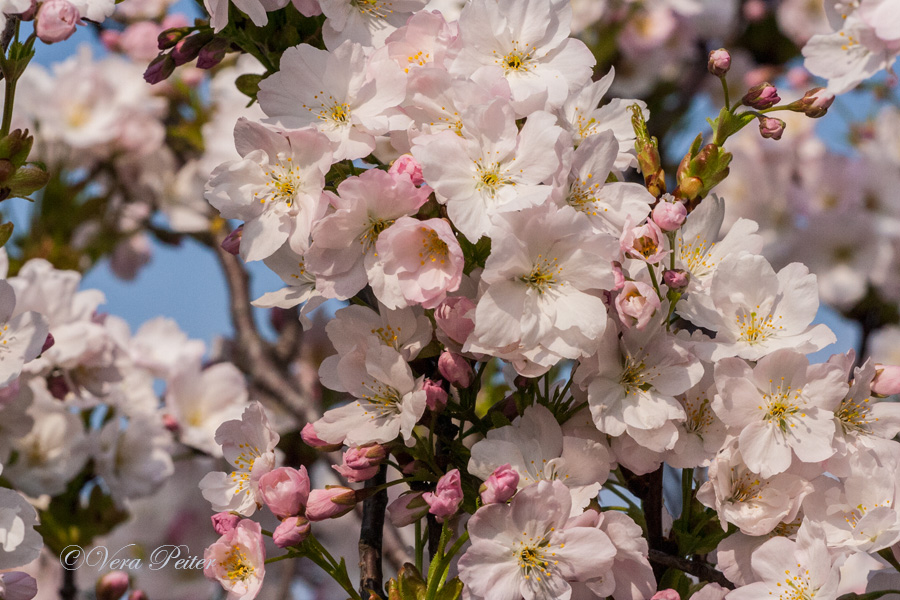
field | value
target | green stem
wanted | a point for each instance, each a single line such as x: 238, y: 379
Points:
x: 725, y: 90
x: 687, y: 480
x: 10, y: 98
x: 321, y: 557
x: 653, y: 280
x: 420, y: 546
x: 437, y: 572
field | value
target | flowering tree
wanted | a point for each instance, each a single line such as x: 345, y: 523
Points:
x: 567, y: 354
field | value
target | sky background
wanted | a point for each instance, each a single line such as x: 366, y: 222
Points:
x: 186, y: 284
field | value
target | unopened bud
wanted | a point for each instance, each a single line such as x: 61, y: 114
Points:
x: 455, y: 369
x: 719, y: 62
x: 435, y: 395
x: 170, y: 423
x: 770, y: 127
x: 232, y: 242
x: 291, y: 531
x: 56, y: 21
x: 669, y: 215
x: 137, y: 595
x: 676, y: 279
x: 285, y: 491
x: 887, y: 380
x: 330, y: 503
x: 189, y: 48
x: 224, y: 522
x: 168, y: 38
x: 447, y: 496
x: 212, y: 53
x: 48, y: 343
x: 112, y: 585
x: 669, y: 594
x: 690, y: 187
x: 814, y: 104
x: 159, y: 70
x: 500, y: 486
x: 761, y: 96
x: 309, y: 436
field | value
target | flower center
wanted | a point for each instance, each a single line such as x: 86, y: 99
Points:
x: 372, y: 8
x: 489, y: 178
x: 387, y: 335
x: 699, y: 416
x: 695, y: 256
x: 284, y: 182
x: 244, y: 463
x: 854, y: 416
x: 433, y: 247
x: 633, y: 377
x: 237, y: 568
x: 374, y: 228
x: 782, y: 403
x: 583, y: 196
x: 543, y: 274
x: 753, y: 327
x: 517, y: 59
x: 382, y: 400
x: 746, y: 487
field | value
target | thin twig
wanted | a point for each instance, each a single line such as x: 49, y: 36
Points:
x: 251, y: 349
x: 8, y: 32
x: 371, y: 536
x: 702, y: 570
x: 68, y: 591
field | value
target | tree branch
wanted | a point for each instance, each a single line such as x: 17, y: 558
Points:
x: 371, y: 536
x: 8, y: 32
x: 700, y: 569
x: 251, y: 349
x: 68, y: 591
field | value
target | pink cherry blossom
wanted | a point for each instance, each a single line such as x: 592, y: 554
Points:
x: 237, y: 561
x: 447, y: 496
x: 636, y: 304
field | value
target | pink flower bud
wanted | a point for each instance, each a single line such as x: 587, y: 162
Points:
x: 56, y: 21
x: 815, y: 103
x: 137, y: 595
x: 770, y: 127
x: 28, y: 15
x: 669, y: 215
x: 455, y: 369
x: 754, y: 10
x: 407, y: 509
x: 332, y: 502
x: 763, y: 95
x: 618, y: 275
x: 451, y: 318
x: 290, y: 532
x: 170, y: 423
x: 112, y: 585
x: 666, y: 595
x: 447, y: 496
x: 887, y: 380
x: 676, y: 279
x: 636, y: 304
x: 407, y: 165
x: 500, y: 486
x: 212, y: 53
x: 224, y: 522
x: 435, y: 395
x: 719, y: 62
x: 308, y: 434
x: 160, y: 68
x: 355, y: 475
x: 17, y: 585
x: 9, y: 393
x: 48, y: 343
x: 364, y: 457
x: 285, y: 491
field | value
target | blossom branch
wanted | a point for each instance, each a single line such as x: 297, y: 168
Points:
x: 371, y: 536
x: 697, y: 568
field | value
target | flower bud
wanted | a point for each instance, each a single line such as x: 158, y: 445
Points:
x: 770, y: 127
x: 168, y: 38
x: 308, y: 434
x: 676, y: 279
x: 112, y: 585
x: 355, y: 475
x: 232, y: 242
x: 455, y: 369
x: 408, y: 165
x: 159, y: 70
x: 332, y: 502
x: 224, y: 522
x: 171, y: 423
x: 814, y: 104
x: 285, y: 491
x: 212, y: 53
x: 291, y: 531
x: 451, y: 318
x: 500, y: 486
x: 447, y: 496
x: 669, y: 594
x: 28, y: 14
x: 407, y: 509
x: 363, y: 457
x: 56, y: 21
x: 763, y: 95
x: 887, y: 380
x: 669, y: 215
x: 137, y: 595
x: 636, y: 304
x: 48, y: 343
x: 719, y: 62
x: 435, y: 395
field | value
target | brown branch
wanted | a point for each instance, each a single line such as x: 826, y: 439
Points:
x: 8, y: 32
x: 253, y: 353
x: 68, y: 591
x: 700, y: 569
x: 371, y: 536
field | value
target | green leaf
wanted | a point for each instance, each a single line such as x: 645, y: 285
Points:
x: 248, y: 84
x: 452, y: 590
x: 6, y: 230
